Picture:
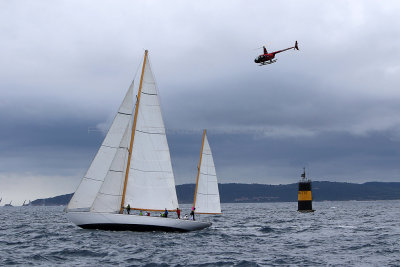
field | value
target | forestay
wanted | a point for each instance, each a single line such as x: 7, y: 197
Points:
x: 105, y: 159
x: 150, y: 184
x: 207, y: 193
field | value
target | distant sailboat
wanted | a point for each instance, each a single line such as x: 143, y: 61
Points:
x: 132, y: 167
x: 206, y: 196
x: 9, y: 204
x: 27, y: 204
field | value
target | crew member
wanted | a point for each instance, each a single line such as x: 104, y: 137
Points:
x: 192, y: 214
x: 166, y: 213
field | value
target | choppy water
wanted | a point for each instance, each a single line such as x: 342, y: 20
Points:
x: 338, y: 233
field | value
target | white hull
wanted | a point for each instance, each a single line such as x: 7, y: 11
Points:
x: 124, y: 222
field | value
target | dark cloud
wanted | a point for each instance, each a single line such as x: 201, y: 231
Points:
x: 332, y: 106
x: 329, y: 156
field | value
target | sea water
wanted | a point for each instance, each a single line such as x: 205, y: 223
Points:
x: 347, y: 233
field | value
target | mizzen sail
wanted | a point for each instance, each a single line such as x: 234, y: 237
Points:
x: 207, y: 199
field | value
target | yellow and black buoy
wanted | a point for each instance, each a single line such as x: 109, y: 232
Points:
x: 305, y: 197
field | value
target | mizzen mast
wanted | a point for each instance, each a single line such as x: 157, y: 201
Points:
x: 198, y: 169
x: 133, y: 133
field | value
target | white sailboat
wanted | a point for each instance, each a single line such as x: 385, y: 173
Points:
x: 206, y: 196
x: 132, y: 167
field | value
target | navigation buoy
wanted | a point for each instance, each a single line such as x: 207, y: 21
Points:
x: 305, y: 197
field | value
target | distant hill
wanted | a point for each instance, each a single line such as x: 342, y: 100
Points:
x: 249, y: 193
x: 53, y: 201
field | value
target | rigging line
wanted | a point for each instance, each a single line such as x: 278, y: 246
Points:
x: 198, y: 168
x: 137, y: 69
x: 207, y: 194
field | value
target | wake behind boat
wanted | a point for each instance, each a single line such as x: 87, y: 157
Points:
x: 132, y: 168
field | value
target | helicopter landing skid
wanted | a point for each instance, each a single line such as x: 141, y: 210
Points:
x: 268, y: 62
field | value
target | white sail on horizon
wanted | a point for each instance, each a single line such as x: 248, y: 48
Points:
x: 207, y: 193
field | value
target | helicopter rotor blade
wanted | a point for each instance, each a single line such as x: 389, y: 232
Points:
x: 259, y: 47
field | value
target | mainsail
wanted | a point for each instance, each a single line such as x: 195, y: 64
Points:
x: 207, y: 199
x: 150, y: 183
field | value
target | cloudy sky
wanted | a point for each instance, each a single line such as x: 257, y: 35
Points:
x: 333, y: 106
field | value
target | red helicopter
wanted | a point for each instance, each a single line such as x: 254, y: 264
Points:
x: 268, y: 58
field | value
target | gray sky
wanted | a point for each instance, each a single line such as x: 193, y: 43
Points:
x: 333, y: 106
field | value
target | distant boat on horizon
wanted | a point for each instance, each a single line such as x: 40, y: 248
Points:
x: 132, y: 170
x: 25, y: 205
x: 9, y: 204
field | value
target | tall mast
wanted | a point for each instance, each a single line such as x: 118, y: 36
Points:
x: 133, y: 133
x: 198, y: 169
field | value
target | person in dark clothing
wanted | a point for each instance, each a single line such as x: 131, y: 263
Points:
x: 178, y: 212
x: 166, y: 213
x: 128, y: 209
x: 192, y: 214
